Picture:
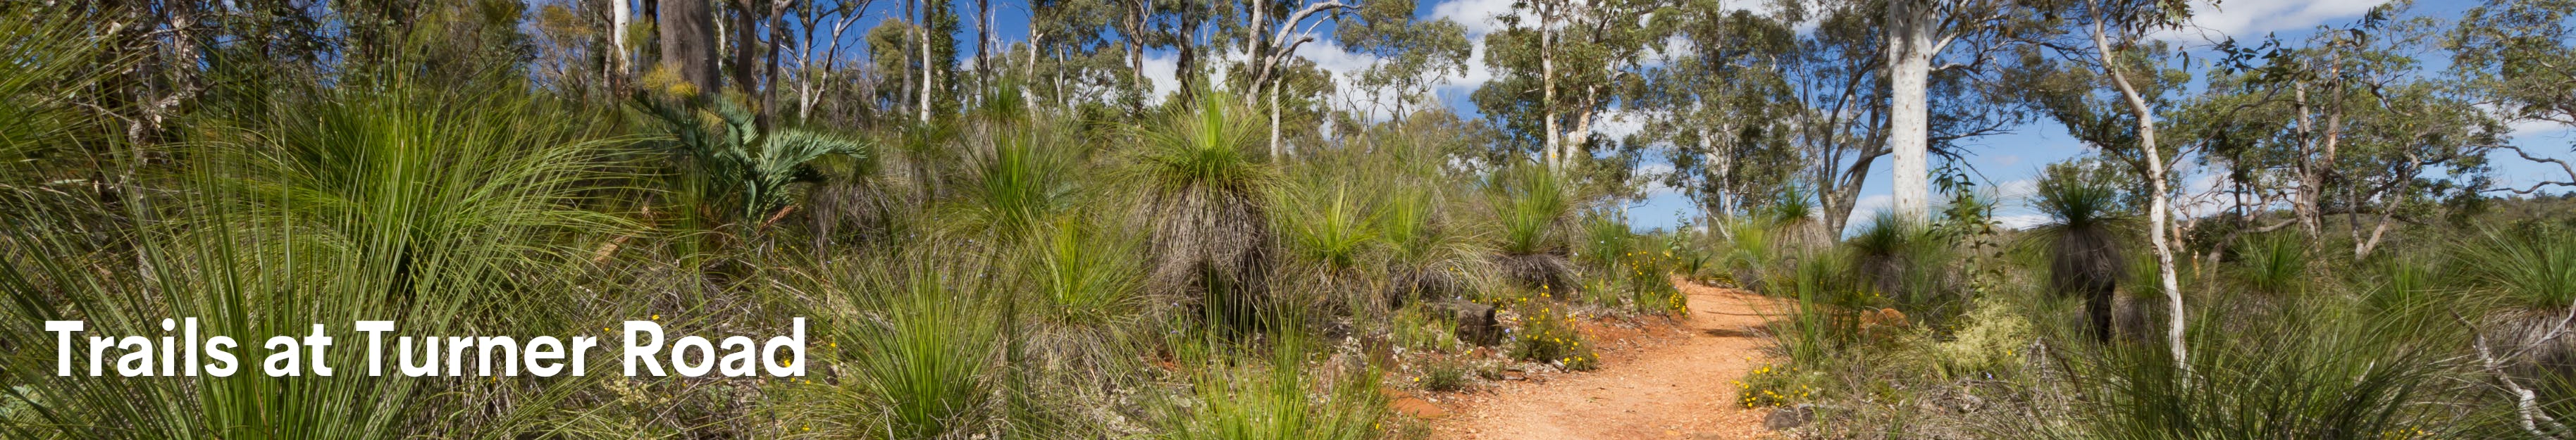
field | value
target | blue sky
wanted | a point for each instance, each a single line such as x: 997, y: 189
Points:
x: 2004, y: 162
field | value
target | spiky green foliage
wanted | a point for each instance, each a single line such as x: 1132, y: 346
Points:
x: 452, y: 211
x: 2532, y: 269
x: 1286, y: 398
x: 1886, y: 253
x: 932, y: 369
x: 46, y: 53
x: 1531, y: 205
x: 1826, y: 319
x: 733, y: 172
x: 1090, y: 287
x: 1792, y: 217
x: 2322, y: 371
x: 1606, y: 240
x: 1530, y: 202
x: 2274, y: 264
x: 1329, y: 227
x: 1751, y: 256
x: 1021, y: 183
x: 1425, y: 259
x: 1206, y: 202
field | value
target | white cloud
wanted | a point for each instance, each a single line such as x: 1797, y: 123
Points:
x: 2021, y: 221
x: 2528, y: 129
x: 1476, y: 15
x: 1865, y: 208
x: 2251, y: 18
x: 1159, y: 70
x: 2007, y: 160
x: 2017, y: 190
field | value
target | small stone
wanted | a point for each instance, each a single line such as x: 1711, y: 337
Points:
x: 1786, y: 418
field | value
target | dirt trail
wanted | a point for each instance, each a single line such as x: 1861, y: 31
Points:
x: 1676, y: 385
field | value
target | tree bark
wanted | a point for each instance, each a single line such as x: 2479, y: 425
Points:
x: 1909, y: 60
x: 929, y: 74
x: 2159, y: 205
x: 617, y: 24
x: 1547, y: 78
x: 746, y: 47
x: 688, y: 42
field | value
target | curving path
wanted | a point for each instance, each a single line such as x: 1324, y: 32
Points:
x: 1678, y: 385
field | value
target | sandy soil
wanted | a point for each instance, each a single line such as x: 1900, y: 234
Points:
x: 1672, y: 382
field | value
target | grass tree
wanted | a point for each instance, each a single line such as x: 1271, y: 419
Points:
x: 450, y: 210
x: 2087, y: 220
x: 1206, y: 203
x: 1531, y: 204
x: 2525, y: 342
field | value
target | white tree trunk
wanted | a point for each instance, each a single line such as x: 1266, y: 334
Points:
x: 1275, y: 89
x: 1547, y: 97
x: 1582, y: 133
x: 1909, y: 60
x: 928, y: 73
x: 617, y: 23
x: 2159, y: 204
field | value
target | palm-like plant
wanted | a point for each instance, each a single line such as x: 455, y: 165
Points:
x: 734, y: 172
x: 2086, y: 222
x: 2532, y: 274
x: 1793, y: 216
x: 1206, y: 203
x: 1532, y: 203
x: 1899, y: 258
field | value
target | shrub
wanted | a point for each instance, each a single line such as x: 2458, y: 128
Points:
x: 1989, y: 340
x: 1416, y: 330
x: 1278, y: 400
x: 1774, y: 385
x: 1547, y: 335
x: 931, y: 369
x: 1446, y: 374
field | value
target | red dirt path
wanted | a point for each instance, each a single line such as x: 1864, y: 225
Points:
x: 1672, y: 382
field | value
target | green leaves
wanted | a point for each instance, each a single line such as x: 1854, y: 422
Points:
x: 737, y: 173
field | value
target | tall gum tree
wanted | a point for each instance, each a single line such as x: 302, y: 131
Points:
x: 1559, y: 65
x: 2116, y: 29
x: 1917, y: 33
x: 2521, y: 56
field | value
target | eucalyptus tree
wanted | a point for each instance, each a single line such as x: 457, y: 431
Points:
x: 1413, y: 55
x: 2521, y: 54
x: 816, y: 49
x: 1266, y: 54
x: 1077, y: 48
x: 687, y: 28
x: 1918, y: 32
x: 2111, y: 37
x: 2360, y: 127
x: 1555, y: 77
x: 1725, y: 135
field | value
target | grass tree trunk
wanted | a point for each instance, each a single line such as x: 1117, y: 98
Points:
x: 1909, y: 61
x: 2159, y: 204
